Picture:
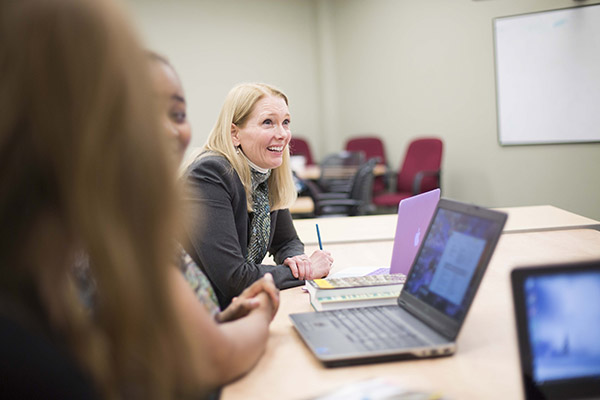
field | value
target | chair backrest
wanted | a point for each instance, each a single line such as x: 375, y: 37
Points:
x: 300, y: 147
x: 372, y: 146
x: 423, y: 154
x: 356, y: 200
x: 338, y: 170
x: 362, y: 187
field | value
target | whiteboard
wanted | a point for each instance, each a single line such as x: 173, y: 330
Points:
x: 548, y: 76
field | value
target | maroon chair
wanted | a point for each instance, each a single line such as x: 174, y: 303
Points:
x: 300, y: 147
x: 372, y: 147
x: 420, y: 172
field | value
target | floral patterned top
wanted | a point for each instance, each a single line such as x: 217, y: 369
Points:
x: 199, y: 282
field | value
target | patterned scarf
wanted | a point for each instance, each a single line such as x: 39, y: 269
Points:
x: 260, y: 226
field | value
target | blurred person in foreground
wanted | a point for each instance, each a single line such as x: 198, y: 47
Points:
x: 79, y: 138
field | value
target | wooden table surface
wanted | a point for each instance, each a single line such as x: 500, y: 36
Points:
x: 486, y: 363
x: 313, y: 172
x: 383, y: 227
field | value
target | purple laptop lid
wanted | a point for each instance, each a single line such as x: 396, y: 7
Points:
x: 414, y: 215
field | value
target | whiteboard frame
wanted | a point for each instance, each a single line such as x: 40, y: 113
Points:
x: 508, y: 140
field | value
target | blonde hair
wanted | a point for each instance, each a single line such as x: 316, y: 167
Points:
x: 85, y: 164
x: 238, y: 106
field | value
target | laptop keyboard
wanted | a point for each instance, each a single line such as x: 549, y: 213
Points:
x: 376, y: 328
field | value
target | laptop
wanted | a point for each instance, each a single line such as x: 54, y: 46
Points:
x: 432, y: 306
x: 557, y: 309
x: 414, y: 215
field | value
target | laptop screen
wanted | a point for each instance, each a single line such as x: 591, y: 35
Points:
x: 558, y: 326
x: 563, y: 317
x: 444, y: 269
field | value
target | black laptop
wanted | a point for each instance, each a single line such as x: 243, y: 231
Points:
x: 557, y: 310
x: 432, y: 306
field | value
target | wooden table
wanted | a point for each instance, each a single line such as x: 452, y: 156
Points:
x: 383, y: 227
x: 486, y: 363
x: 303, y: 205
x: 313, y: 172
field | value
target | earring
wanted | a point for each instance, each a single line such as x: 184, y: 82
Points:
x: 237, y: 150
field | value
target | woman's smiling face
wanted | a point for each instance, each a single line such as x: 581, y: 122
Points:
x: 266, y: 132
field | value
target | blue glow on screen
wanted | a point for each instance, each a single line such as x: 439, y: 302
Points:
x: 563, y: 313
x: 442, y: 274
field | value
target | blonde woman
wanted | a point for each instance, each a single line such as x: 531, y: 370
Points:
x: 239, y: 189
x: 78, y: 141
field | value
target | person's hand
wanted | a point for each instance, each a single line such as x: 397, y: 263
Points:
x: 300, y: 266
x: 313, y: 267
x: 251, y: 299
x: 321, y: 262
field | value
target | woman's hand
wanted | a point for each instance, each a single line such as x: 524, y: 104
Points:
x: 251, y: 299
x: 300, y: 266
x: 321, y: 262
x: 313, y: 267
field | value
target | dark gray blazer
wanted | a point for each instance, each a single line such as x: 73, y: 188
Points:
x: 219, y: 231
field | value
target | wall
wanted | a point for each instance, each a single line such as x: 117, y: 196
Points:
x: 398, y: 68
x: 215, y: 44
x: 408, y: 68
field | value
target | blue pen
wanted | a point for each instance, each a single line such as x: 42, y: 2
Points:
x: 319, y: 237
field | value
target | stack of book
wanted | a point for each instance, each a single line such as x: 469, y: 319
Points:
x: 355, y: 291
